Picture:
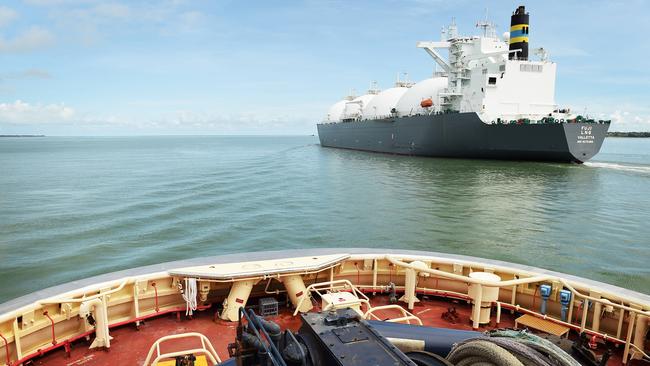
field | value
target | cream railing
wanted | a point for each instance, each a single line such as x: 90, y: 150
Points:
x: 334, y: 286
x: 206, y: 349
x: 633, y: 312
x: 406, y: 316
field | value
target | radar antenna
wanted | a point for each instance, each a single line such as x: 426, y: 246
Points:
x: 542, y: 53
x: 489, y: 28
x: 452, y: 31
x: 374, y: 89
x: 403, y: 82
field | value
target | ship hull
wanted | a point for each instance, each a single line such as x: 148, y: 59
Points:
x: 464, y: 135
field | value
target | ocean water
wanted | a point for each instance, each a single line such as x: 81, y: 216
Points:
x: 81, y: 206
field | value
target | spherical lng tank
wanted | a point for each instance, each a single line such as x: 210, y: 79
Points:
x: 381, y: 105
x: 410, y: 102
x: 335, y: 113
x: 354, y: 107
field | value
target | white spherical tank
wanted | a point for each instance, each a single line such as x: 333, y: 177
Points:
x: 483, y: 296
x: 335, y: 113
x: 381, y: 105
x: 409, y: 103
x: 353, y: 108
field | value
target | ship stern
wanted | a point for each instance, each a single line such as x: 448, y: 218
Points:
x: 585, y: 139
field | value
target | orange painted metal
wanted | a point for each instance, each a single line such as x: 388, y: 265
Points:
x: 426, y: 103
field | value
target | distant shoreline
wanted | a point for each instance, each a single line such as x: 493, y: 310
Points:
x: 628, y: 134
x: 609, y: 134
x: 22, y: 135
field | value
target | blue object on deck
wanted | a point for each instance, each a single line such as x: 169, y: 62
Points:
x: 565, y: 299
x: 545, y: 292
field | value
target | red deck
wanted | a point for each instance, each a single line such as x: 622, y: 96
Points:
x: 130, y: 345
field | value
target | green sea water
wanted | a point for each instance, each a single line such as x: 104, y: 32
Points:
x: 73, y: 207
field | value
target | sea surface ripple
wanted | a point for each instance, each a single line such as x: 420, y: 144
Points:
x: 76, y: 207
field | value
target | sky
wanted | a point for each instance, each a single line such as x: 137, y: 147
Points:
x: 91, y: 67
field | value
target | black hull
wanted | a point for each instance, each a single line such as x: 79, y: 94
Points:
x: 464, y: 135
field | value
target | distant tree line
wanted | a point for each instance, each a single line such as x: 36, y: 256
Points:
x: 22, y: 135
x: 628, y: 134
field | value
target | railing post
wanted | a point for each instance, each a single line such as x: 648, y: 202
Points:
x: 374, y: 276
x: 585, y: 312
x: 476, y: 310
x: 595, y: 323
x: 621, y: 317
x: 640, y: 330
x: 571, y: 305
x: 513, y: 299
x: 136, y: 302
x: 19, y: 349
x: 628, y: 339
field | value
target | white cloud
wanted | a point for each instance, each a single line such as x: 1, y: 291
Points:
x: 20, y: 112
x: 93, y: 20
x: 235, y: 123
x: 628, y: 114
x: 112, y: 10
x: 31, y: 39
x: 7, y: 15
x: 568, y: 51
x: 27, y: 74
x: 35, y: 74
x: 57, y: 2
x: 629, y: 121
x: 191, y: 21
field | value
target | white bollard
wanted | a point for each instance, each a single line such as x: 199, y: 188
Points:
x: 296, y: 290
x: 482, y: 297
x: 237, y: 298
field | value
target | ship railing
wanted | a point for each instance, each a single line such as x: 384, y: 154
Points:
x: 321, y: 288
x: 84, y: 298
x: 206, y: 349
x: 406, y: 315
x: 510, y: 283
x: 360, y: 299
x: 634, y: 311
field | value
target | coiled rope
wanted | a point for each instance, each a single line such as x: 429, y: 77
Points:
x: 189, y: 295
x: 509, y: 348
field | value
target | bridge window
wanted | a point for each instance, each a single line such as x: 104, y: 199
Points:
x: 531, y: 68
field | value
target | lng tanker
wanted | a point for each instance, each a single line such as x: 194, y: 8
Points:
x: 489, y: 101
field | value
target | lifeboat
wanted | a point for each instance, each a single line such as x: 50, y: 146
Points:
x: 426, y: 103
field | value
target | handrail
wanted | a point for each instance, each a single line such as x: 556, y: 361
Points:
x: 208, y: 351
x: 83, y: 299
x: 330, y: 285
x: 406, y: 315
x: 510, y: 283
x: 438, y: 272
x: 346, y: 303
x: 600, y: 300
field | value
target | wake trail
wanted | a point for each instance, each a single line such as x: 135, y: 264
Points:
x: 620, y: 167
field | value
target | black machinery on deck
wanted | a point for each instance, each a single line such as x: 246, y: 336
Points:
x: 338, y: 338
x: 342, y: 338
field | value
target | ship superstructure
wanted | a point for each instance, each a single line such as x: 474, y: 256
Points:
x: 494, y: 77
x: 485, y: 78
